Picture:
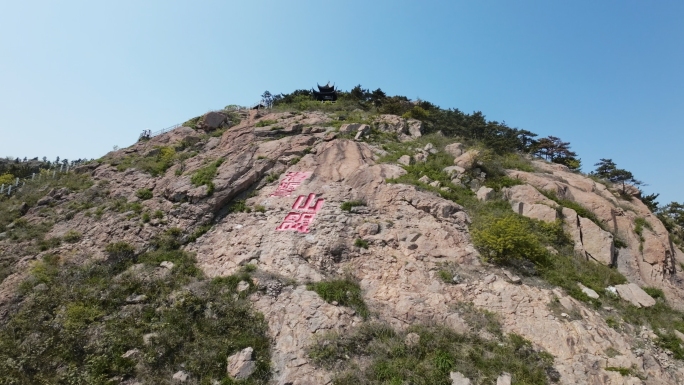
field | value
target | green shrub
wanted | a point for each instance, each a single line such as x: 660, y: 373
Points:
x: 260, y: 208
x: 144, y: 194
x: 504, y: 181
x: 192, y: 123
x: 345, y: 291
x: 199, y: 232
x: 621, y: 370
x: 619, y: 243
x: 49, y: 243
x: 446, y: 276
x: 361, y: 243
x: 168, y: 240
x: 158, y: 214
x: 145, y: 217
x: 239, y: 206
x: 654, y: 292
x: 265, y: 122
x: 72, y: 236
x: 119, y: 251
x: 506, y: 239
x: 272, y: 177
x: 205, y: 176
x: 155, y: 164
x: 348, y: 205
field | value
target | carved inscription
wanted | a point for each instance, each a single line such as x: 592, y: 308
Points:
x: 290, y: 183
x: 302, y: 214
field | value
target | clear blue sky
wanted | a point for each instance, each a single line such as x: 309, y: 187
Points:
x: 78, y: 77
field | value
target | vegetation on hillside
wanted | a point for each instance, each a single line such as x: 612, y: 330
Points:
x: 130, y: 317
x: 377, y: 354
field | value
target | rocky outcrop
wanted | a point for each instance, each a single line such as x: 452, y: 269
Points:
x: 467, y: 159
x: 635, y: 295
x: 648, y: 259
x: 406, y: 129
x: 241, y: 365
x: 213, y: 120
x: 411, y: 236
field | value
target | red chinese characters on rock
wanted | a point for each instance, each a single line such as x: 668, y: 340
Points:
x: 302, y: 215
x: 290, y: 183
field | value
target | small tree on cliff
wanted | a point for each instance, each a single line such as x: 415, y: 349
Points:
x: 555, y: 150
x: 607, y: 169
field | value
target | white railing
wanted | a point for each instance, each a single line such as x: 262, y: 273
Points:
x: 16, y: 186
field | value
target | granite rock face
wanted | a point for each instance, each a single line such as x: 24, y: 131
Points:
x: 411, y: 233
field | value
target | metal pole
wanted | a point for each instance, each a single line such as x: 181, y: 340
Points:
x: 2, y: 188
x: 33, y: 176
x: 53, y: 173
x: 9, y: 190
x: 16, y: 183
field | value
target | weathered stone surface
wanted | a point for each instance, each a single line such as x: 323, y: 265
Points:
x: 407, y: 129
x: 405, y: 160
x: 504, y: 379
x: 485, y: 193
x: 590, y: 240
x: 458, y: 379
x: 454, y: 170
x: 589, y: 292
x: 467, y: 160
x: 455, y: 149
x: 635, y: 295
x: 412, y: 339
x: 180, y: 376
x: 430, y: 148
x: 241, y: 365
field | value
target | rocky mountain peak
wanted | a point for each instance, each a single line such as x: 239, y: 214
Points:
x: 358, y: 243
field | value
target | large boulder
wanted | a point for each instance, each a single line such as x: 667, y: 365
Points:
x: 635, y: 295
x: 455, y: 149
x: 241, y: 365
x: 528, y: 201
x: 354, y: 127
x: 212, y: 120
x: 590, y: 240
x: 485, y: 194
x: 467, y: 160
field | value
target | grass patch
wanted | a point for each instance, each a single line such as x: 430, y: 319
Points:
x: 500, y: 182
x: 205, y: 176
x: 239, y: 206
x: 192, y: 123
x: 72, y: 236
x: 155, y: 163
x: 349, y: 205
x: 377, y: 354
x: 345, y: 292
x: 199, y: 232
x: 265, y: 122
x: 144, y: 194
x: 361, y: 243
x: 270, y: 178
